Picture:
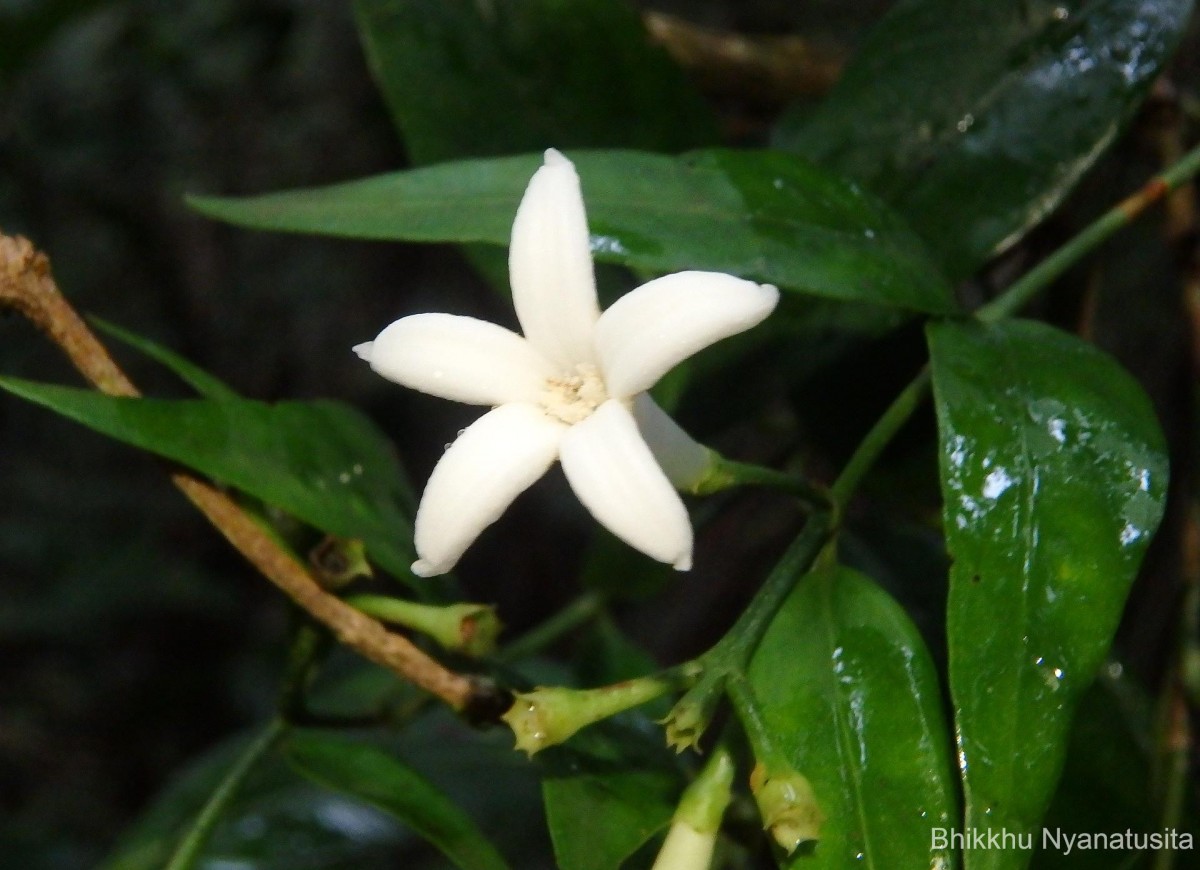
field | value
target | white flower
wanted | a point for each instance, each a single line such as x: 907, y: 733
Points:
x: 572, y: 389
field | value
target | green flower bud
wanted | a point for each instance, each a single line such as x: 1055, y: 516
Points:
x: 686, y: 849
x: 693, y: 834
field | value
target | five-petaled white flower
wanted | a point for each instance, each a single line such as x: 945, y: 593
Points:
x: 572, y: 389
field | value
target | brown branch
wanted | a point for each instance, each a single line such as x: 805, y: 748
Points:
x: 767, y: 71
x: 27, y: 286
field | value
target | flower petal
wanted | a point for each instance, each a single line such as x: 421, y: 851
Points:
x: 650, y: 330
x: 681, y: 457
x: 550, y: 265
x: 458, y: 358
x: 614, y: 474
x: 493, y: 461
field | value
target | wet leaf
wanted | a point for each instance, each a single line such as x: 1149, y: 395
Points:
x: 976, y: 118
x: 321, y: 461
x: 1054, y: 475
x: 761, y: 215
x: 469, y: 79
x: 383, y: 781
x: 1107, y: 782
x: 848, y: 690
x: 607, y: 792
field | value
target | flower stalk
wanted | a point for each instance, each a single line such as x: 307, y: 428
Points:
x: 467, y: 628
x: 730, y: 657
x: 721, y: 474
x: 550, y: 715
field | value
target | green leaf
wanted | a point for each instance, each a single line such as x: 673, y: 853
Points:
x: 607, y: 792
x: 848, y: 690
x: 1107, y: 782
x: 384, y: 782
x: 976, y: 118
x: 466, y: 79
x: 192, y: 375
x: 275, y: 821
x: 321, y: 461
x: 1054, y: 475
x: 763, y: 215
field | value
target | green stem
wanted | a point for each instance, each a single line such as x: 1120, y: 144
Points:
x: 308, y: 644
x: 464, y: 627
x: 749, y: 713
x: 1120, y: 215
x: 878, y: 438
x: 582, y: 610
x: 197, y: 835
x: 735, y: 648
x: 690, y: 716
x: 727, y: 473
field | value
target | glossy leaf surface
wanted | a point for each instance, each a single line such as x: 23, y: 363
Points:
x: 466, y: 79
x: 383, y: 781
x: 607, y: 792
x: 762, y: 215
x: 975, y: 118
x: 321, y: 461
x: 848, y: 690
x: 1053, y: 474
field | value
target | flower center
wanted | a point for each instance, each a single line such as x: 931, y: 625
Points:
x: 572, y: 397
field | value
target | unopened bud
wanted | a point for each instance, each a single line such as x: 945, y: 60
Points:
x: 693, y: 834
x: 787, y: 805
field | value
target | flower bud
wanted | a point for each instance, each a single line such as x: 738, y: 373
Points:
x: 787, y: 805
x: 686, y: 849
x: 549, y: 715
x: 693, y: 834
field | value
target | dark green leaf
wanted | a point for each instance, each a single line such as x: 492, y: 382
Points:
x: 27, y: 28
x: 192, y: 375
x: 1053, y: 475
x: 762, y: 215
x: 607, y: 792
x: 275, y: 821
x: 1107, y: 782
x: 320, y: 461
x: 848, y: 691
x: 467, y: 79
x: 975, y: 118
x: 381, y: 780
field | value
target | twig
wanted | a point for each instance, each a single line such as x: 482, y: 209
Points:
x: 771, y: 71
x: 27, y: 286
